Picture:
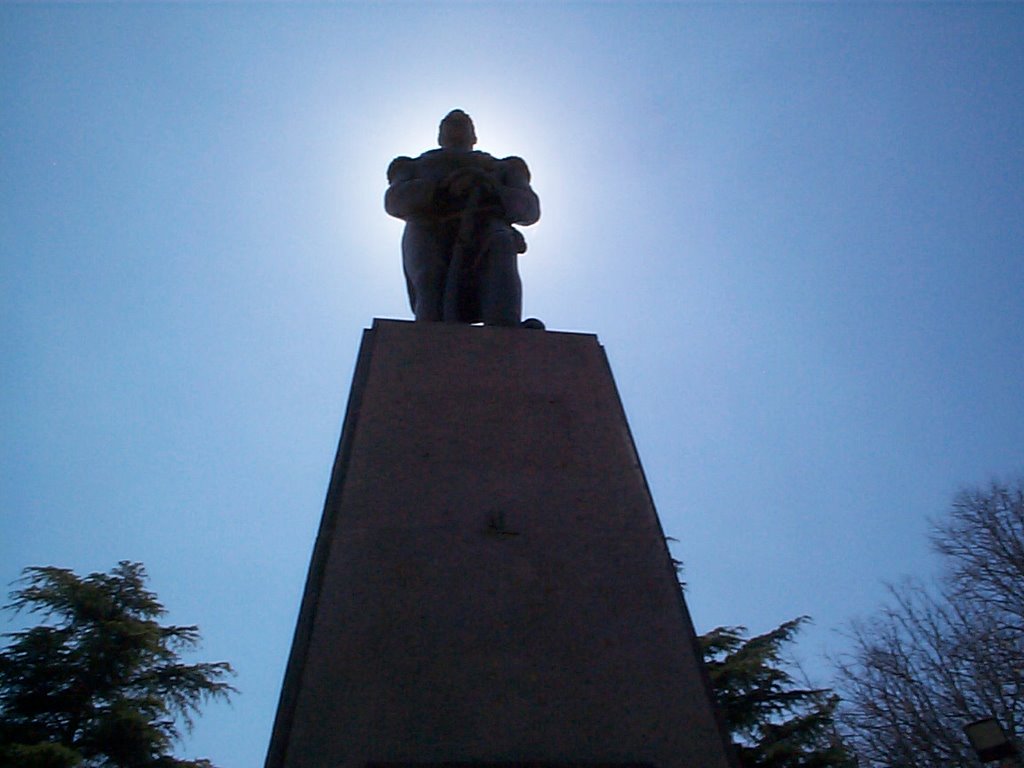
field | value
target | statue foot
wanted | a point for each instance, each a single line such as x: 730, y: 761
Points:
x: 532, y: 323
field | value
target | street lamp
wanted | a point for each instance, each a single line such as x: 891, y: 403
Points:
x: 990, y: 741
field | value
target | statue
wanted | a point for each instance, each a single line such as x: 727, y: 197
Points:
x: 460, y: 250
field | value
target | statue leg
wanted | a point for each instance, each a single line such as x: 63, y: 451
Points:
x: 501, y: 290
x: 426, y: 266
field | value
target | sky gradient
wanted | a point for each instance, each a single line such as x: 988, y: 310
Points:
x: 798, y: 230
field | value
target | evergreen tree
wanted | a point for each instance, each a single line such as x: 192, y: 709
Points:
x: 100, y: 683
x: 774, y: 721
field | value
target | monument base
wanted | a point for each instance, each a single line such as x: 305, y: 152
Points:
x: 490, y: 583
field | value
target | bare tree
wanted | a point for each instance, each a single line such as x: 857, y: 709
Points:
x: 943, y: 654
x: 982, y: 542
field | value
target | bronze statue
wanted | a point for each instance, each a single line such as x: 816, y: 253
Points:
x: 460, y: 250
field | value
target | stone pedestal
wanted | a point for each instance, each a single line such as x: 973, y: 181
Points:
x: 490, y: 583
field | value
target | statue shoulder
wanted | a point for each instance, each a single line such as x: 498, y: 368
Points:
x: 401, y: 169
x: 515, y: 169
x: 485, y: 160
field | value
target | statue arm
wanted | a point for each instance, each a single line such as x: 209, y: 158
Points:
x: 520, y: 202
x: 407, y: 196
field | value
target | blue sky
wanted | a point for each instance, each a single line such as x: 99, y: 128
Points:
x: 797, y: 229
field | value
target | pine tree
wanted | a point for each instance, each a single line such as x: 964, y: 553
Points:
x: 775, y: 723
x: 99, y: 683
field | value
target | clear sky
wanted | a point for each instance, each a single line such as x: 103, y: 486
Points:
x: 798, y: 230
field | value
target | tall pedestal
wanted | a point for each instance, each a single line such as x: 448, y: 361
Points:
x: 490, y: 582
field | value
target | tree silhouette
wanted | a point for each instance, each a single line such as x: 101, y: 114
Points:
x: 99, y: 683
x: 774, y: 721
x: 943, y: 654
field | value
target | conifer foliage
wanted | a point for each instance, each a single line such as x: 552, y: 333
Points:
x: 99, y: 683
x: 774, y: 721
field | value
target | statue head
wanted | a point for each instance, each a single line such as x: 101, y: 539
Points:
x: 456, y: 131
